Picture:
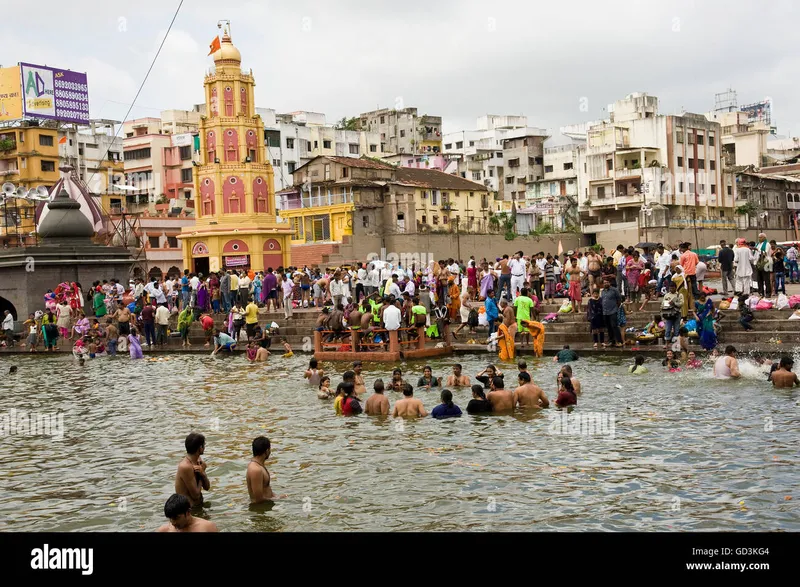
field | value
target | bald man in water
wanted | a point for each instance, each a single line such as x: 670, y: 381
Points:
x: 528, y: 394
x: 501, y: 399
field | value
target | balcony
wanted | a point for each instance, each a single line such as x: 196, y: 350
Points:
x: 8, y: 172
x: 447, y: 206
x: 624, y: 173
x: 305, y: 201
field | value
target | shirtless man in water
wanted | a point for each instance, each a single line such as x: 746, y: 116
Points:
x: 123, y: 316
x: 783, y: 376
x: 191, y: 477
x: 457, y: 379
x: 501, y: 399
x: 257, y: 475
x: 358, y: 381
x: 567, y: 370
x: 528, y: 394
x: 409, y: 406
x: 594, y: 267
x: 377, y: 404
x: 180, y: 518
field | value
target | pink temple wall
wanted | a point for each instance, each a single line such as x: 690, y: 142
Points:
x: 260, y: 195
x: 233, y: 195
x: 211, y: 146
x: 228, y: 97
x: 231, y: 145
x: 207, y: 197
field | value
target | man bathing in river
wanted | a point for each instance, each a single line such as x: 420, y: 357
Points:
x: 257, y: 475
x: 409, y: 406
x: 180, y: 518
x: 783, y: 376
x: 358, y: 380
x: 501, y: 399
x: 567, y: 370
x: 191, y: 478
x: 377, y: 404
x: 528, y: 394
x: 457, y: 379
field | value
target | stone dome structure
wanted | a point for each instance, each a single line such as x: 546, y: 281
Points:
x: 65, y: 219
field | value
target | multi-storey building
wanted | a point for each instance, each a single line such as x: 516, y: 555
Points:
x: 403, y: 130
x: 650, y: 172
x: 523, y: 156
x: 554, y: 198
x: 28, y: 159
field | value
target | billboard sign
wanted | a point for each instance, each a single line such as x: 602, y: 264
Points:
x: 57, y: 94
x: 10, y: 94
x: 758, y: 112
x: 182, y: 140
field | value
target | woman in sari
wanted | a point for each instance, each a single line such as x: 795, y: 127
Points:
x: 202, y: 297
x: 454, y: 306
x: 537, y: 332
x: 472, y: 277
x: 505, y: 343
x: 82, y: 325
x: 487, y: 280
x: 184, y: 321
x: 680, y: 281
x: 704, y: 314
x: 49, y: 330
x: 133, y: 344
x: 633, y: 268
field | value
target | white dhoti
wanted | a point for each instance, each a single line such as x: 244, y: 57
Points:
x: 742, y: 283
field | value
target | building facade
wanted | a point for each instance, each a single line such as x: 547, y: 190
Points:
x: 28, y: 159
x: 403, y: 130
x: 236, y: 225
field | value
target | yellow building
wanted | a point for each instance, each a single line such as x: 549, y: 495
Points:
x: 28, y: 159
x: 236, y: 223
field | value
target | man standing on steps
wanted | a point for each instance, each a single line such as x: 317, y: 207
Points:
x: 287, y: 287
x: 505, y: 278
x: 225, y: 291
x: 611, y: 301
x: 244, y: 288
x: 517, y: 267
x: 725, y: 257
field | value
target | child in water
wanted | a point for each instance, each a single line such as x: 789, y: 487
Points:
x: 638, y: 366
x: 287, y: 347
x: 324, y: 388
x: 252, y: 350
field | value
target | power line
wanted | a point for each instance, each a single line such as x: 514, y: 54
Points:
x: 136, y: 97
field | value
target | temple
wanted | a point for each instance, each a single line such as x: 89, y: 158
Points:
x: 236, y: 226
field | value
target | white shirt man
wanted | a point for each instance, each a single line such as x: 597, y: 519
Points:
x: 244, y: 282
x: 194, y: 282
x: 8, y: 322
x: 386, y: 274
x: 391, y: 317
x: 162, y: 316
x: 742, y: 262
x: 410, y: 288
x: 373, y: 277
x: 517, y: 266
x: 541, y: 263
x: 362, y: 276
x: 455, y: 270
x: 394, y: 290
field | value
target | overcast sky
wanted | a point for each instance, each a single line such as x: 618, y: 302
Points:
x: 456, y: 59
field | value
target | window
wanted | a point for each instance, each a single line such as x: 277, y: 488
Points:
x: 691, y: 188
x: 365, y: 222
x: 353, y: 149
x: 172, y: 241
x: 712, y: 165
x: 383, y: 147
x: 509, y: 180
x: 691, y: 163
x: 701, y: 164
x: 48, y: 166
x: 316, y: 144
x: 722, y: 213
x: 499, y: 154
x: 21, y: 137
x: 700, y: 139
x: 186, y: 175
x: 710, y: 140
x: 484, y: 201
x: 289, y: 143
x: 691, y: 138
x: 491, y: 172
x: 730, y: 190
x: 476, y: 175
x: 435, y: 219
x: 680, y: 161
x: 601, y: 192
x: 448, y: 146
x: 445, y: 219
x: 345, y: 172
x: 435, y: 199
x: 548, y: 169
x: 185, y: 152
x: 326, y: 144
x: 463, y: 174
x: 472, y: 143
x: 609, y: 164
x: 383, y: 119
x: 291, y: 165
x: 327, y: 171
x: 402, y: 134
x: 137, y: 154
x: 679, y: 137
x: 713, y: 188
x: 424, y: 219
x: 276, y: 162
x: 702, y: 188
x: 155, y: 242
x: 46, y: 140
x: 373, y: 148
x: 567, y: 166
x: 459, y: 145
x: 680, y: 187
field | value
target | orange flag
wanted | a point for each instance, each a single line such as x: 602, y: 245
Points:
x: 62, y: 140
x: 214, y: 46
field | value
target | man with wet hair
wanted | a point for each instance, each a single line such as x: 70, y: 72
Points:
x: 191, y: 477
x: 409, y: 406
x: 528, y: 394
x: 377, y: 404
x: 457, y: 379
x: 177, y: 510
x: 257, y: 477
x: 783, y: 376
x: 501, y: 399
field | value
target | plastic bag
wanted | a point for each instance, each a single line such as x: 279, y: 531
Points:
x: 565, y: 308
x: 795, y: 315
x: 734, y: 304
x: 794, y: 301
x: 783, y: 302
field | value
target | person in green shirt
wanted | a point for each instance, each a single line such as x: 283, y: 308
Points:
x: 99, y: 304
x: 251, y: 319
x: 638, y: 366
x: 184, y: 321
x: 523, y: 305
x: 375, y: 303
x: 565, y: 355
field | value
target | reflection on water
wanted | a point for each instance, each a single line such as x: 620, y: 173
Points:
x: 688, y: 452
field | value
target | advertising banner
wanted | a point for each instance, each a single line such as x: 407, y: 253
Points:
x: 56, y: 94
x: 182, y: 140
x: 237, y: 261
x: 10, y: 94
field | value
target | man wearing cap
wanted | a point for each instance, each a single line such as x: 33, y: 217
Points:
x: 742, y: 262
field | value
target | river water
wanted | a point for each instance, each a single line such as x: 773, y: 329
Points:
x: 687, y: 453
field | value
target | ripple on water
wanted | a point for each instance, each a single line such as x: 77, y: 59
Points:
x: 688, y: 452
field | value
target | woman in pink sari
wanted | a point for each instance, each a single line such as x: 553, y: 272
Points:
x: 633, y: 267
x: 133, y: 345
x: 472, y: 277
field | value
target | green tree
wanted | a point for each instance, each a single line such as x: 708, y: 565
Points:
x: 347, y: 124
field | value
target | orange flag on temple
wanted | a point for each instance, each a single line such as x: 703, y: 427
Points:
x: 214, y: 46
x: 62, y: 140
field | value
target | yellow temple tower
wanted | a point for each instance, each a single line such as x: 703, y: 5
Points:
x: 236, y: 225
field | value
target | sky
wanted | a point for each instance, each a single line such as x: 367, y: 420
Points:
x: 558, y: 63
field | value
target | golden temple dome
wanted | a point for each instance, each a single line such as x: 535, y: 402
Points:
x: 227, y: 51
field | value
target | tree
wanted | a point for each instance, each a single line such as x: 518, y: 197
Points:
x: 346, y: 124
